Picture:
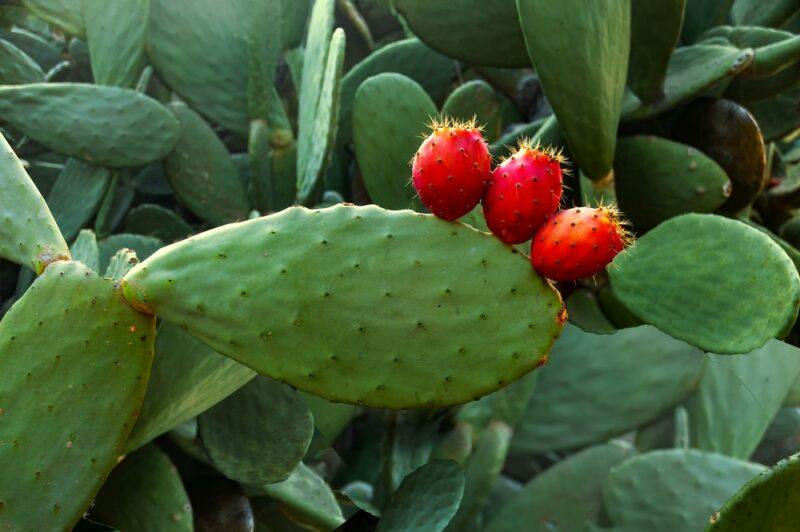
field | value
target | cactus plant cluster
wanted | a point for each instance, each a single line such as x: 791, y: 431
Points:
x: 233, y: 298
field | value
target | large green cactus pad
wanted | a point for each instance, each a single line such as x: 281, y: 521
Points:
x: 565, y: 496
x: 771, y: 501
x: 599, y: 386
x: 102, y: 125
x: 390, y: 113
x: 358, y: 304
x: 676, y: 489
x: 668, y: 280
x: 738, y: 396
x: 28, y: 233
x: 116, y: 33
x: 76, y: 359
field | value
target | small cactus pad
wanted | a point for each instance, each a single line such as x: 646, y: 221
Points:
x: 65, y: 14
x: 102, y: 125
x: 144, y: 492
x: 427, y: 499
x: 599, y: 386
x: 17, y: 67
x: 76, y: 359
x: 651, y: 50
x: 771, y: 501
x: 28, y: 233
x: 667, y: 280
x: 77, y: 195
x: 358, y: 304
x: 738, y: 396
x: 646, y: 492
x: 188, y: 377
x: 564, y: 497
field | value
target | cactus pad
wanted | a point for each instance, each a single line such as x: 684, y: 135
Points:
x: 116, y: 32
x: 367, y: 309
x: 17, y: 67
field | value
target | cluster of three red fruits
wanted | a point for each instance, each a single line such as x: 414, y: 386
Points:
x: 452, y: 173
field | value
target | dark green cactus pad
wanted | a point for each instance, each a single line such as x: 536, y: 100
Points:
x: 116, y: 33
x: 781, y: 439
x: 666, y: 280
x: 777, y: 116
x: 28, y: 233
x: 693, y: 70
x: 480, y: 473
x: 317, y: 136
x: 651, y: 50
x: 144, y: 246
x: 382, y: 297
x: 566, y: 496
x: 656, y: 179
x: 599, y: 386
x: 585, y: 313
x: 77, y: 194
x: 202, y: 53
x: 102, y: 125
x: 390, y: 114
x: 775, y: 50
x: 329, y: 418
x: 477, y: 99
x: 115, y: 204
x: 144, y: 492
x: 584, y: 84
x: 43, y: 52
x: 258, y: 434
x: 738, y: 396
x: 76, y: 359
x: 757, y: 13
x: 676, y: 489
x: 771, y: 501
x: 305, y: 497
x: 618, y: 314
x: 187, y: 379
x: 201, y: 172
x: 85, y: 249
x: 495, y: 38
x: 65, y: 14
x: 702, y: 15
x: 17, y: 67
x: 409, y: 57
x: 155, y: 220
x: 427, y: 499
x: 728, y: 133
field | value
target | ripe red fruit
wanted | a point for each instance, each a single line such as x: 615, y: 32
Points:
x: 578, y: 243
x: 451, y: 168
x: 523, y: 191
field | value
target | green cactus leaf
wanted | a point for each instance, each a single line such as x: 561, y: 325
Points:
x: 210, y: 69
x: 75, y: 360
x: 409, y: 57
x: 664, y: 280
x: 657, y: 179
x: 107, y: 126
x: 383, y: 295
x: 618, y: 314
x: 651, y: 50
x: 17, y: 67
x: 728, y: 133
x: 738, y: 396
x: 646, y: 491
x: 495, y: 38
x: 390, y: 113
x: 704, y: 14
x: 585, y: 313
x: 154, y: 220
x: 86, y: 250
x: 427, y: 499
x: 187, y: 379
x: 306, y: 498
x: 65, y: 14
x: 317, y: 136
x: 258, y: 434
x: 594, y: 388
x: 693, y: 70
x: 564, y: 497
x: 480, y: 473
x: 777, y: 116
x: 264, y: 47
x: 201, y: 172
x: 77, y: 194
x: 116, y: 33
x: 477, y: 99
x: 115, y: 204
x: 584, y: 84
x: 771, y: 501
x: 29, y: 234
x: 144, y: 246
x: 45, y: 54
x: 144, y: 492
x: 757, y: 13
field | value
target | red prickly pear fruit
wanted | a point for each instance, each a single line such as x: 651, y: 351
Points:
x: 451, y: 168
x: 523, y: 191
x: 577, y: 243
